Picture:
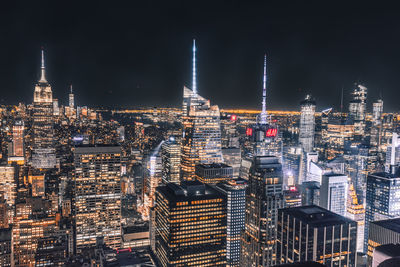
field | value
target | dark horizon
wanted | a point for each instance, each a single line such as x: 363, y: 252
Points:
x: 140, y: 54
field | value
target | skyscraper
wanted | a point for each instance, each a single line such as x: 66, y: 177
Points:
x: 43, y: 123
x: 333, y: 193
x: 18, y: 139
x: 232, y: 157
x: 201, y: 141
x: 358, y: 108
x: 382, y: 233
x: 376, y: 128
x: 307, y: 124
x: 393, y: 152
x: 235, y: 192
x: 356, y: 212
x: 213, y: 173
x: 312, y: 233
x: 264, y: 196
x: 171, y: 160
x: 190, y: 225
x: 382, y: 201
x: 263, y: 138
x: 71, y: 98
x: 97, y: 195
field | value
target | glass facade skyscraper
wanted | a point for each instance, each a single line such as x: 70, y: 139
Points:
x: 383, y: 199
x: 307, y: 124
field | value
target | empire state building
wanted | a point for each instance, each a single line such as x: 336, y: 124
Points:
x: 43, y: 155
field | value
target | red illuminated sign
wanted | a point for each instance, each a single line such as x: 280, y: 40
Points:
x: 249, y: 131
x: 292, y: 188
x: 233, y: 117
x: 271, y: 132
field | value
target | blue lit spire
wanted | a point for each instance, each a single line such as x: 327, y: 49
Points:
x: 263, y: 115
x: 194, y: 81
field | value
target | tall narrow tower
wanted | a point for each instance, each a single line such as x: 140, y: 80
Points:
x: 357, y: 109
x: 71, y: 98
x: 307, y: 124
x: 264, y: 137
x: 201, y: 136
x: 43, y: 155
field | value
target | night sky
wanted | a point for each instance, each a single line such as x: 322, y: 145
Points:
x: 139, y: 53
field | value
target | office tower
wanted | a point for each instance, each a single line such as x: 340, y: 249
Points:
x: 4, y: 214
x: 312, y: 233
x: 201, y: 142
x: 235, y: 192
x: 376, y: 128
x: 6, y: 251
x: 232, y: 156
x: 358, y: 108
x: 264, y: 197
x: 245, y: 165
x: 264, y: 138
x: 307, y: 124
x: 229, y: 133
x: 32, y: 222
x: 38, y: 184
x: 383, y: 198
x: 292, y: 197
x: 43, y: 125
x: 171, y: 160
x: 97, y: 195
x: 190, y: 225
x: 382, y: 233
x: 356, y: 212
x: 386, y: 256
x: 291, y: 164
x: 333, y: 193
x: 306, y: 164
x: 152, y: 179
x: 377, y: 111
x: 393, y: 152
x: 18, y: 139
x: 339, y: 130
x: 310, y: 193
x: 8, y: 184
x: 213, y: 173
x: 71, y: 98
x: 56, y: 108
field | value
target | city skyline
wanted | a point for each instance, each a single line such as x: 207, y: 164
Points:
x: 229, y: 66
x: 149, y: 150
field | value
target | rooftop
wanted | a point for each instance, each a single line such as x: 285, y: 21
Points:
x: 391, y: 224
x: 97, y: 149
x: 316, y: 216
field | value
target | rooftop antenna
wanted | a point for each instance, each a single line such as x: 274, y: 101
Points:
x: 43, y: 70
x: 194, y: 81
x: 263, y: 115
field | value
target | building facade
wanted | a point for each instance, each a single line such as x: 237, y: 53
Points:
x: 307, y: 124
x: 312, y: 233
x: 190, y: 225
x: 264, y: 196
x: 382, y: 200
x: 97, y: 179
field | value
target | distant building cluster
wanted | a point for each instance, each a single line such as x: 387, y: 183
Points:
x: 198, y: 185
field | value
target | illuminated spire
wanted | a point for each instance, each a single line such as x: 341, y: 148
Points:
x: 194, y: 82
x: 71, y: 89
x: 43, y: 70
x: 263, y: 115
